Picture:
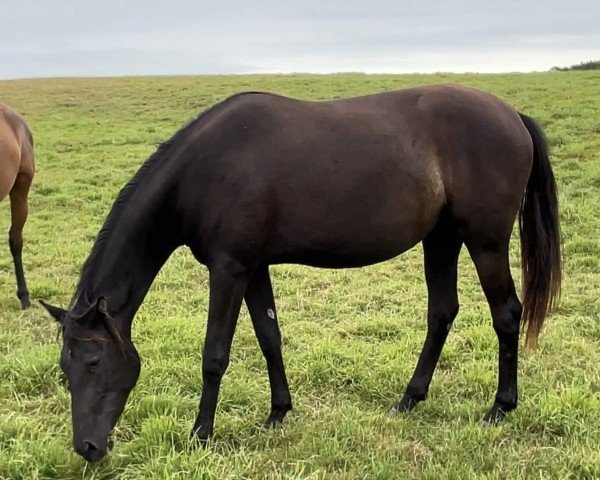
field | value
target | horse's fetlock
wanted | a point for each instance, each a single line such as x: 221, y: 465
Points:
x: 416, y: 393
x: 507, y: 404
x: 22, y: 294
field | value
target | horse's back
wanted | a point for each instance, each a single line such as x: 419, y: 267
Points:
x: 300, y: 178
x: 356, y: 181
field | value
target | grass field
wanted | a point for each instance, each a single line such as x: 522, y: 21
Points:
x: 351, y: 338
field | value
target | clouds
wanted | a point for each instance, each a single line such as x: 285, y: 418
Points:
x: 59, y: 38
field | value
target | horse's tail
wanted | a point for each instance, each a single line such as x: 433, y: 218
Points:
x: 539, y: 227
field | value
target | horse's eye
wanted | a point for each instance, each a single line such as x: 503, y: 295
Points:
x: 92, y: 363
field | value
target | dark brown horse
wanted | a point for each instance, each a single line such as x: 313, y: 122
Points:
x: 262, y: 179
x: 17, y: 168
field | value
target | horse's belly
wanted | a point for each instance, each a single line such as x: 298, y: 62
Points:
x: 353, y: 236
x: 338, y: 256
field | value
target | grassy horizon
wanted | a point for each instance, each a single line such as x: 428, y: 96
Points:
x: 351, y: 338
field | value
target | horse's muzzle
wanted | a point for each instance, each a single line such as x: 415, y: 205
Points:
x: 90, y: 451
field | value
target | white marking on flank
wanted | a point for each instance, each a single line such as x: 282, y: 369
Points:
x: 270, y: 313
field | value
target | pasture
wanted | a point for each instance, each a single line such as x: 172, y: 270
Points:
x: 351, y: 338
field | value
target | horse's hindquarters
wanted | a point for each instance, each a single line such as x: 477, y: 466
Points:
x: 9, y: 162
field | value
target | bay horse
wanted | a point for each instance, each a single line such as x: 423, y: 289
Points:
x: 261, y: 179
x: 17, y: 168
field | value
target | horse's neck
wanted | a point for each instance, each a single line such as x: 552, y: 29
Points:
x: 123, y: 265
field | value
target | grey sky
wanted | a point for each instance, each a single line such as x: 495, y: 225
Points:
x: 135, y: 37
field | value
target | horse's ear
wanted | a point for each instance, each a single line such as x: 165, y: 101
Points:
x: 101, y: 307
x: 56, y: 312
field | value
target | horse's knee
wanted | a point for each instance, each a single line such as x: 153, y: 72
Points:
x: 214, y: 366
x: 440, y: 319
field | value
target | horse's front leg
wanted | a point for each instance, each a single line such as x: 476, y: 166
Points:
x: 228, y: 281
x: 261, y: 305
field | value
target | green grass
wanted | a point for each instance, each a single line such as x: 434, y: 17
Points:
x: 351, y: 338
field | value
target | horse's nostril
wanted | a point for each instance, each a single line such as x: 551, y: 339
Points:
x: 89, y: 447
x: 90, y: 450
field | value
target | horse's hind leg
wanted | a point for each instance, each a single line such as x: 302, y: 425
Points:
x: 19, y: 209
x: 491, y: 261
x: 441, y: 248
x: 261, y: 305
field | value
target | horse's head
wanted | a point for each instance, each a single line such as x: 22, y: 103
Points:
x: 102, y: 367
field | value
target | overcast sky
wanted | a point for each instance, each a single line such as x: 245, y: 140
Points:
x: 136, y: 37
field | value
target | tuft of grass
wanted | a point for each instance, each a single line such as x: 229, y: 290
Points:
x: 351, y: 338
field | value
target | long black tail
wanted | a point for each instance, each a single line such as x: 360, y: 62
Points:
x: 539, y: 227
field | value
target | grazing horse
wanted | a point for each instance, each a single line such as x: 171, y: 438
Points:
x: 261, y: 179
x: 17, y: 167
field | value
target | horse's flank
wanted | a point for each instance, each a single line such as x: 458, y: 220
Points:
x: 16, y: 149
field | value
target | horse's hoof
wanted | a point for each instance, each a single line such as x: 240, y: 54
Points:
x: 406, y: 405
x: 201, y: 442
x: 269, y: 423
x: 273, y: 422
x: 398, y: 410
x: 496, y: 414
x: 201, y: 436
x: 276, y: 417
x: 25, y: 304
